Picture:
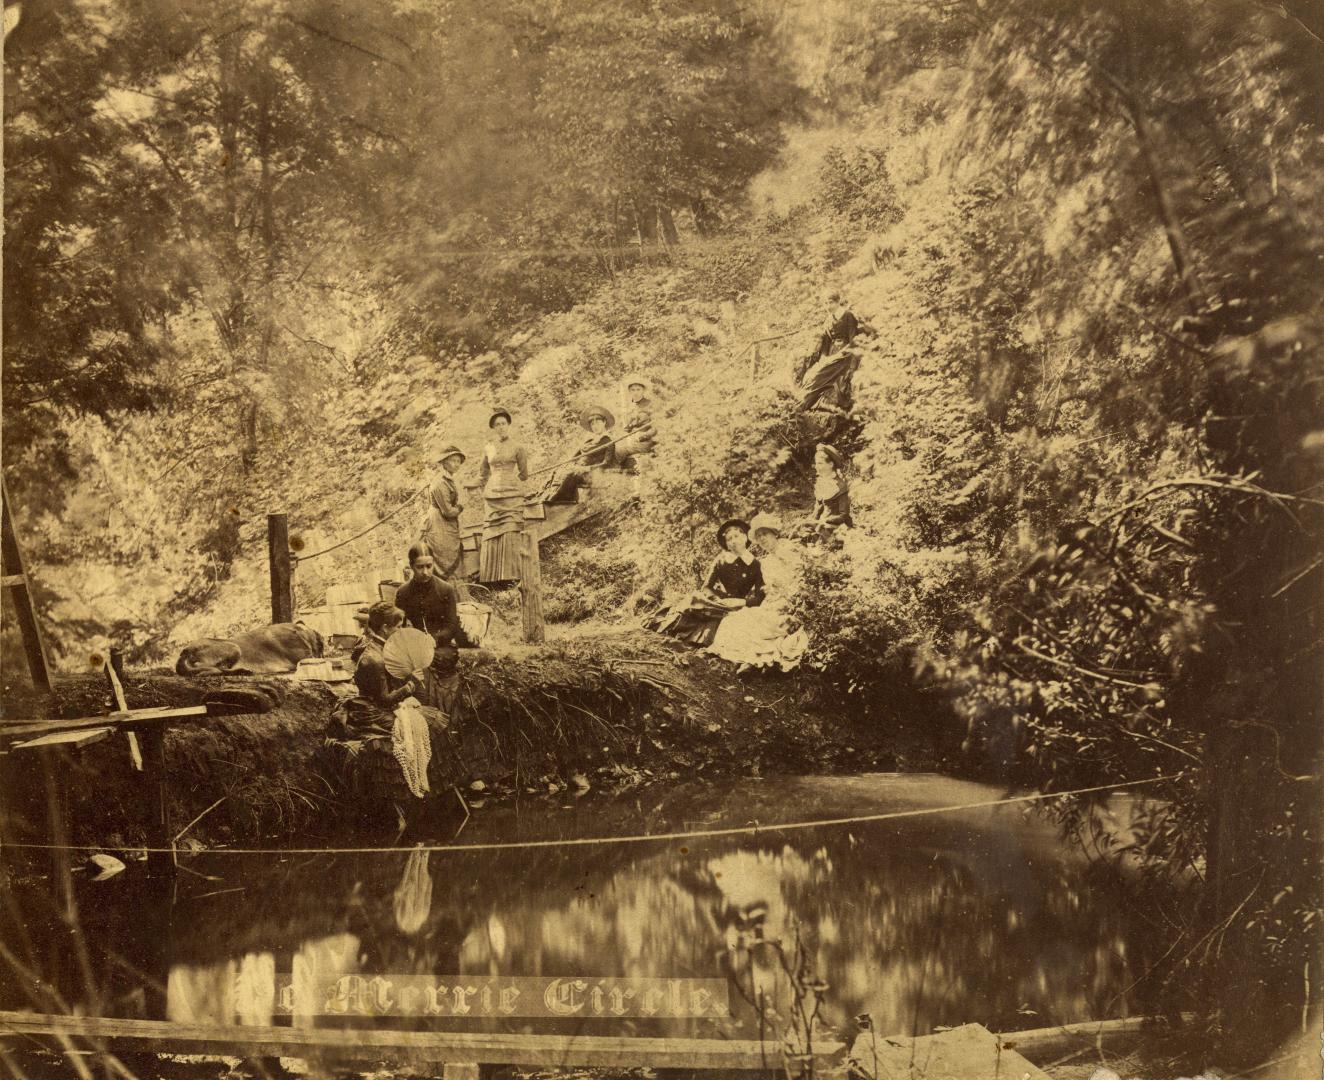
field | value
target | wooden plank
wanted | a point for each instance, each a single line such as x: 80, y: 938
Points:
x: 114, y: 673
x: 68, y: 739
x: 422, y: 1046
x: 8, y: 581
x: 34, y: 645
x: 281, y: 567
x: 969, y: 1052
x: 134, y: 719
x: 1041, y: 1044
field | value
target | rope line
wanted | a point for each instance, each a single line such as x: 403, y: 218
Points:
x: 545, y: 469
x: 360, y: 535
x: 586, y: 841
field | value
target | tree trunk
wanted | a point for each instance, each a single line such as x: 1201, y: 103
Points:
x: 704, y: 219
x: 669, y: 233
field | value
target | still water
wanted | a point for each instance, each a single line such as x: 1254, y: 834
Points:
x: 971, y: 915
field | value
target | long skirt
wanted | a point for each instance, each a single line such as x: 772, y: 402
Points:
x: 498, y: 559
x: 828, y: 381
x: 442, y: 537
x: 693, y: 620
x: 367, y: 770
x: 758, y: 636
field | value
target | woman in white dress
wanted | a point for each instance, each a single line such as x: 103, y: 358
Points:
x: 761, y: 636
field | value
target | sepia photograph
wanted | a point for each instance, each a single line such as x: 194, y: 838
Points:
x: 662, y: 539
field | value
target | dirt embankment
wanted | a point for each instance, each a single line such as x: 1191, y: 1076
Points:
x: 615, y: 711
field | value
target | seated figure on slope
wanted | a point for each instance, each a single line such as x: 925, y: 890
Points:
x: 763, y: 636
x: 735, y: 581
x: 640, y: 436
x: 596, y: 452
x: 831, y: 492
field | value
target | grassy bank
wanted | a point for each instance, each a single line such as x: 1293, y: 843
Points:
x: 614, y: 710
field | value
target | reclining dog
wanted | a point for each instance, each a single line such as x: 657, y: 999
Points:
x: 268, y: 651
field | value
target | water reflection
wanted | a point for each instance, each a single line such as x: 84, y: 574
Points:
x: 977, y: 915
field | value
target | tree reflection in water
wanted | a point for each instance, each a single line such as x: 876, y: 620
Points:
x: 920, y: 922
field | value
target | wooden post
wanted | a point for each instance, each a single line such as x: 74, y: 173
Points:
x: 754, y: 363
x: 16, y: 580
x: 282, y: 570
x: 152, y: 737
x: 530, y: 587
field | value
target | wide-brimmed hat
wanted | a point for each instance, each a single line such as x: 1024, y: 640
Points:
x: 491, y: 420
x: 451, y: 451
x: 634, y: 379
x: 833, y: 454
x: 721, y: 530
x: 765, y: 521
x: 587, y: 417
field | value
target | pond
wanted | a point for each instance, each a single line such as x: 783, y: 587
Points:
x: 980, y: 914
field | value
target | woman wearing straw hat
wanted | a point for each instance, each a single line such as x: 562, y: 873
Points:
x: 504, y: 473
x: 831, y: 492
x: 640, y: 435
x: 734, y: 582
x: 596, y: 452
x: 441, y: 533
x: 761, y: 637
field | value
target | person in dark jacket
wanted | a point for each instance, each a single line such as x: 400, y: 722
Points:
x: 734, y: 581
x: 429, y: 604
x: 825, y: 374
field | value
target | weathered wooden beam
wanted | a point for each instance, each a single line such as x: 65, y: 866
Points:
x: 68, y: 739
x: 1043, y: 1044
x: 530, y: 588
x: 282, y: 568
x: 134, y: 719
x: 20, y: 591
x: 462, y: 1048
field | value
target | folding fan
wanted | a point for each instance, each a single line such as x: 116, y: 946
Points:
x: 408, y: 652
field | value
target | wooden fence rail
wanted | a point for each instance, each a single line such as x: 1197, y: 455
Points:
x: 463, y: 1049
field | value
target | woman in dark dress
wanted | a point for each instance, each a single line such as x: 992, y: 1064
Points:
x: 735, y: 581
x: 429, y: 605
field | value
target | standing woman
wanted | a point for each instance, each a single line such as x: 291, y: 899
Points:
x: 441, y: 534
x: 505, y: 471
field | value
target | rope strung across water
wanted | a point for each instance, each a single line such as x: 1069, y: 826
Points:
x: 585, y: 841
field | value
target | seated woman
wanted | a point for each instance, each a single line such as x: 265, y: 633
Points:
x: 735, y: 581
x: 761, y: 637
x: 429, y: 605
x: 831, y: 493
x: 361, y: 737
x: 640, y: 437
x: 596, y: 452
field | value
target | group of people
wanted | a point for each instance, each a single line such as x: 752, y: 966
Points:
x: 383, y: 740
x: 504, y: 477
x: 742, y: 611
